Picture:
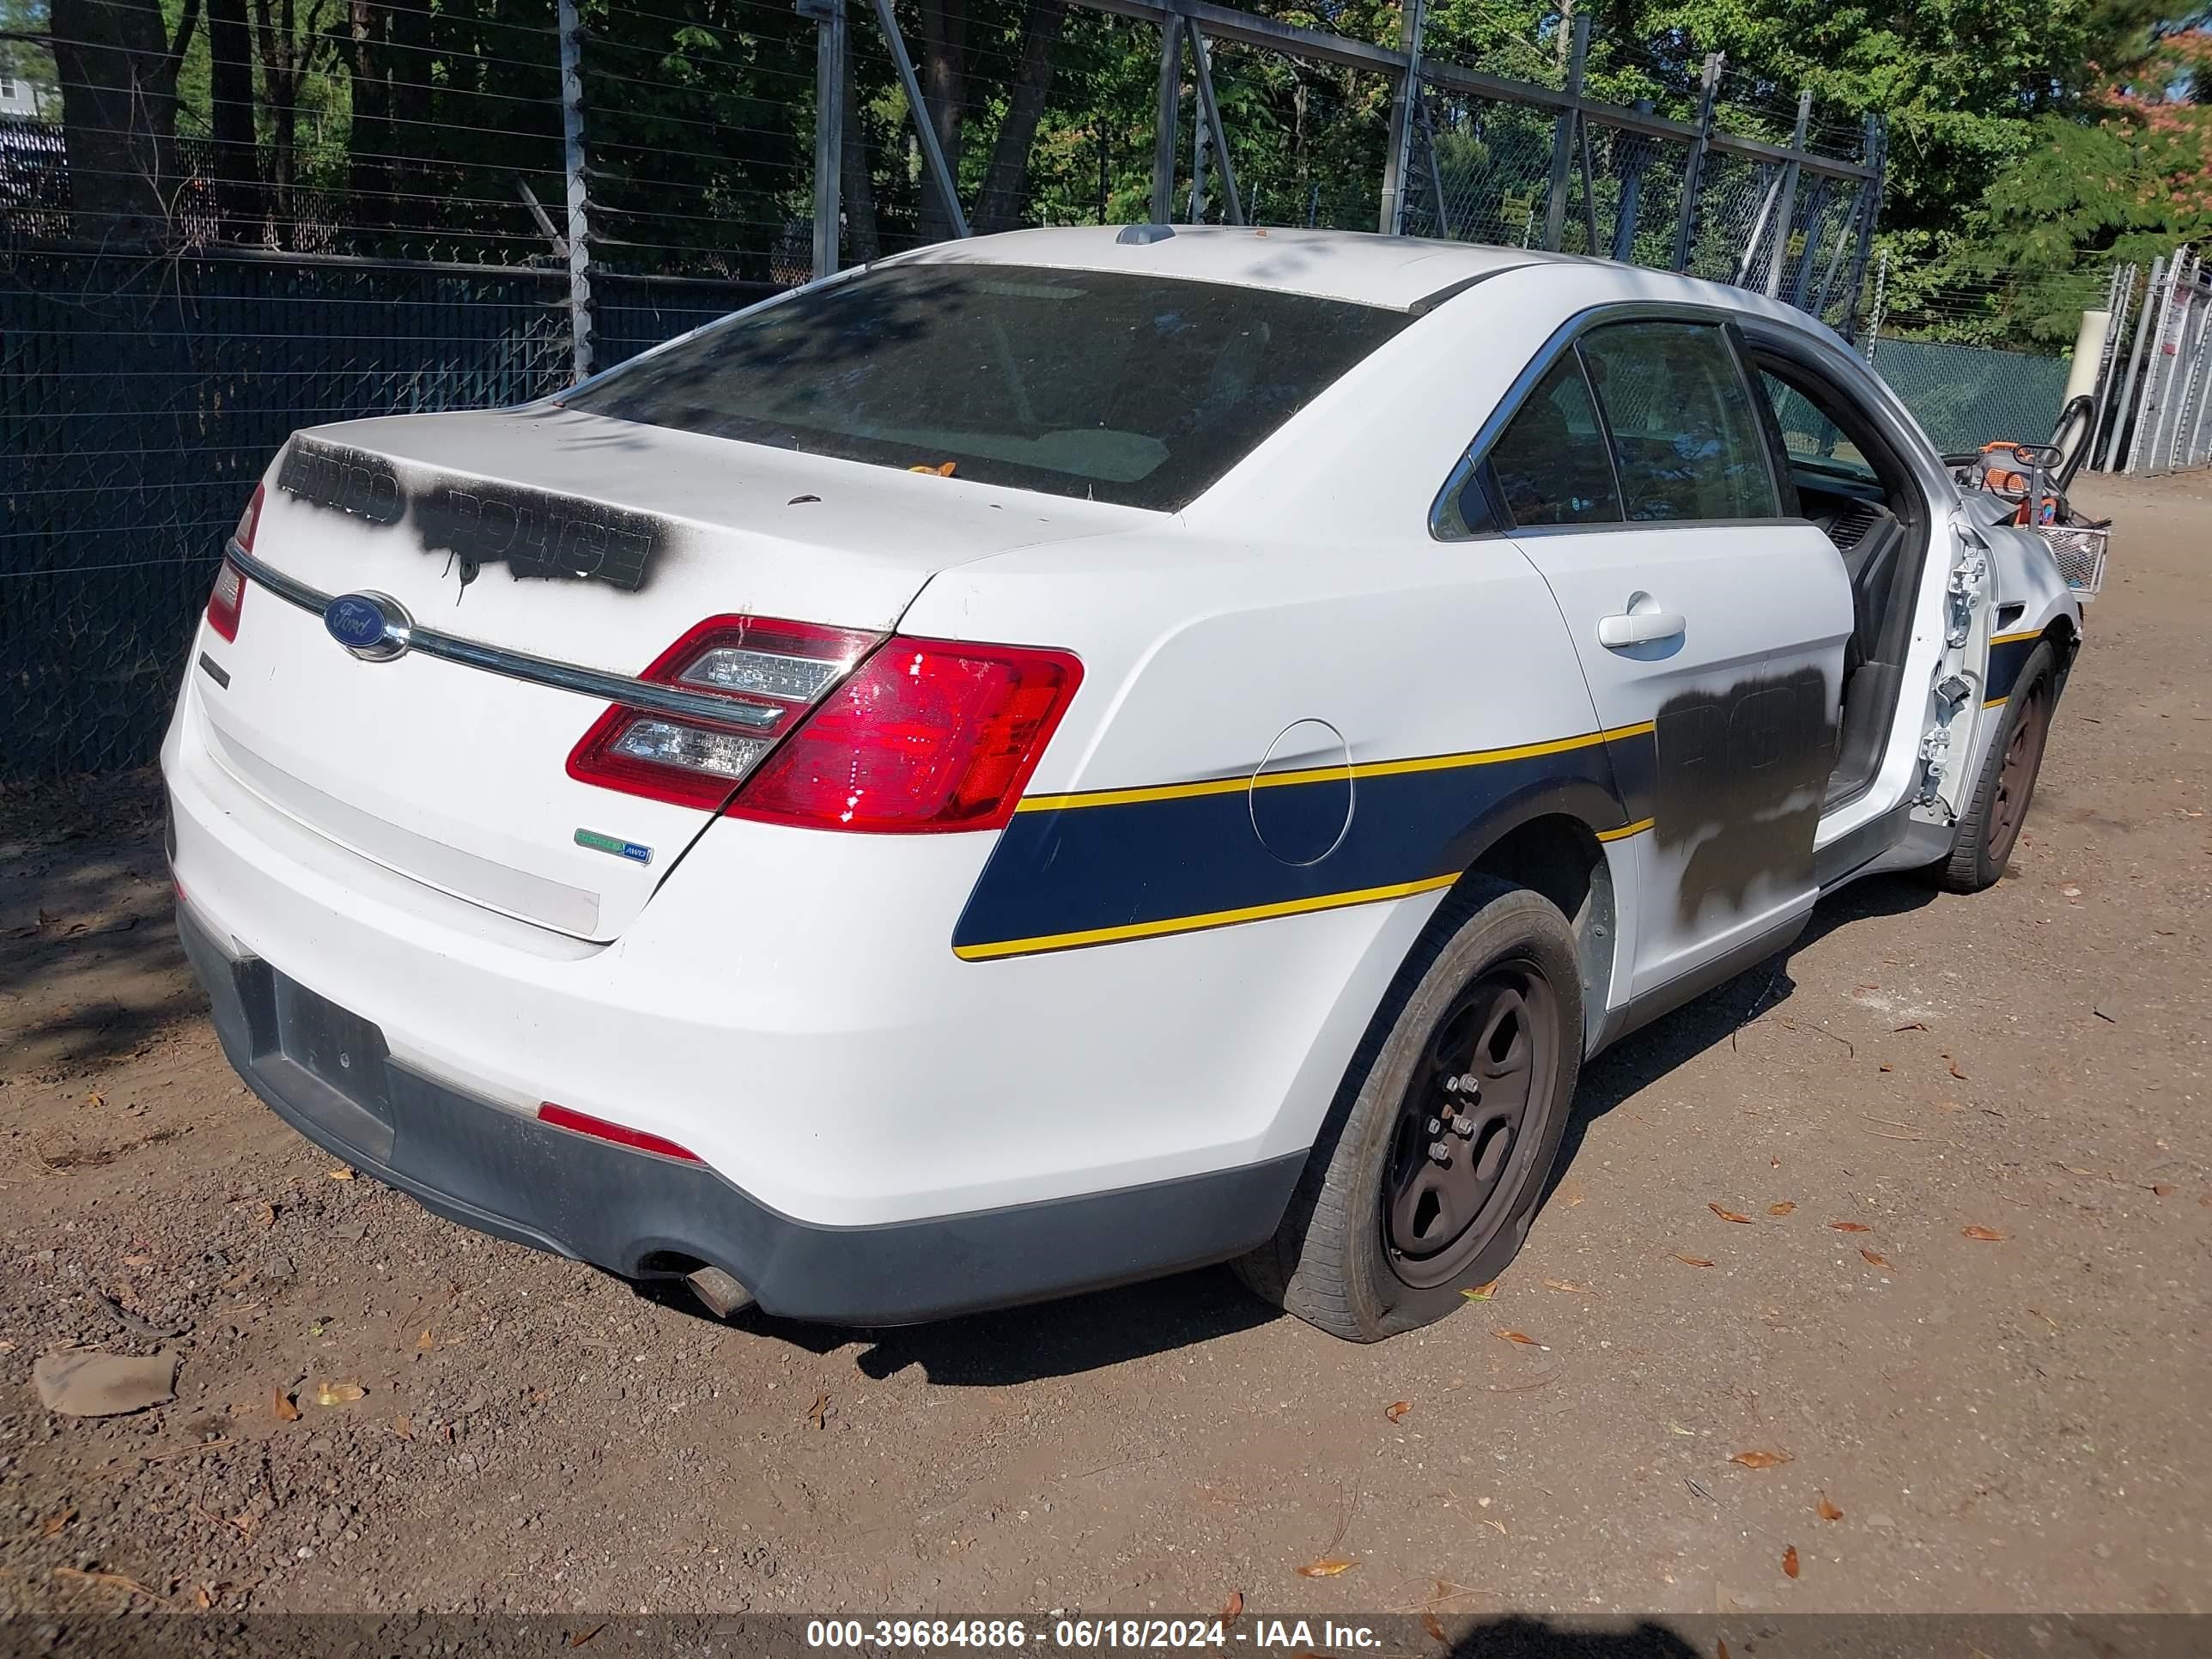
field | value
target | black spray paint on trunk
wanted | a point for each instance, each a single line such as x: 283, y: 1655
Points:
x: 535, y: 533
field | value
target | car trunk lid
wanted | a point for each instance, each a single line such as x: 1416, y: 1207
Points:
x: 574, y: 542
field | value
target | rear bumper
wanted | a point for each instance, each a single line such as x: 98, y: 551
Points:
x: 495, y: 1169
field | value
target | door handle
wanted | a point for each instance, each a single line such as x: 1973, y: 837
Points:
x: 1640, y: 627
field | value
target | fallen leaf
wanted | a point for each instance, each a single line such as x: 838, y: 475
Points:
x: 1910, y: 1025
x: 1233, y: 1607
x: 1431, y: 1623
x: 1568, y: 1285
x: 426, y: 1343
x: 201, y: 1599
x: 1783, y: 1208
x: 54, y: 1523
x: 1957, y: 1073
x: 1694, y: 1260
x: 1720, y: 1651
x: 1789, y: 1561
x: 1729, y: 1215
x: 1327, y: 1567
x: 2162, y: 1190
x: 1875, y: 1260
x: 403, y: 1426
x: 341, y: 1173
x: 1481, y: 1292
x: 328, y: 1392
x: 1987, y: 1235
x: 1761, y: 1460
x: 1522, y: 1337
x: 1396, y: 1410
x: 818, y: 1413
x: 95, y: 1098
x: 1828, y: 1511
x: 1851, y: 1226
x: 280, y: 1403
x: 1676, y: 1428
x: 584, y: 1635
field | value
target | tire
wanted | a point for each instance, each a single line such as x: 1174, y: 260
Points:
x: 1982, y: 843
x: 1381, y: 1236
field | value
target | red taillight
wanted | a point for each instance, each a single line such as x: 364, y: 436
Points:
x: 250, y: 520
x: 225, y: 599
x: 767, y: 673
x: 926, y: 735
x: 562, y: 1117
x: 228, y: 595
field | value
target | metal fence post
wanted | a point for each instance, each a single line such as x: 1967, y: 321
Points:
x: 1562, y: 136
x: 1875, y: 148
x: 2123, y: 410
x: 1694, y: 165
x: 1789, y: 205
x: 1874, y: 310
x: 2142, y: 441
x: 1167, y: 119
x: 932, y: 153
x: 1232, y: 205
x: 2175, y: 411
x: 572, y: 162
x: 829, y: 17
x: 1399, y: 156
x: 2119, y: 296
x: 2200, y: 432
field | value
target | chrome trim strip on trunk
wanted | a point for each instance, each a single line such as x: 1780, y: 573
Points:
x: 520, y: 665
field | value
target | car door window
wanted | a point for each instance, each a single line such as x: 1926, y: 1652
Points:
x: 1810, y: 438
x: 1549, y: 465
x: 1686, y: 437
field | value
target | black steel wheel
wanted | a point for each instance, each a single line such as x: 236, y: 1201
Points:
x: 1436, y: 1152
x: 1982, y: 841
x: 1463, y: 1124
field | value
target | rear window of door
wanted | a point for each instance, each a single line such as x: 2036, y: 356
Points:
x: 1549, y: 465
x: 1687, y: 441
x: 1112, y: 388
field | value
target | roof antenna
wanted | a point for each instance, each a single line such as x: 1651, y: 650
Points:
x: 1143, y: 236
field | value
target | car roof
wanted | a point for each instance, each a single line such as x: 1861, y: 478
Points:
x: 1402, y: 272
x: 1398, y: 271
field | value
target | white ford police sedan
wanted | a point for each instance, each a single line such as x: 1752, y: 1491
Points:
x: 1063, y: 756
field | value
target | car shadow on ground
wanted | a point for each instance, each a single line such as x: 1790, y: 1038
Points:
x: 1674, y: 1039
x: 1107, y: 1327
x: 1519, y: 1637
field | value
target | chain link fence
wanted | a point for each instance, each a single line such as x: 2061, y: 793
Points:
x: 397, y: 206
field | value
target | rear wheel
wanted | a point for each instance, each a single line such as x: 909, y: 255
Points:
x: 1982, y: 843
x: 1443, y: 1134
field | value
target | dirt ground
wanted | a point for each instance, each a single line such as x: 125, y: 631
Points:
x: 2013, y: 1422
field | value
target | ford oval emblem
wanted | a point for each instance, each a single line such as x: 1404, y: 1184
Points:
x: 372, y: 626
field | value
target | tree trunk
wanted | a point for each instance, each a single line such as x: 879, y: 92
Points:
x: 413, y: 135
x: 230, y: 118
x: 284, y: 63
x: 119, y: 82
x: 944, y: 89
x: 863, y: 241
x: 1002, y: 195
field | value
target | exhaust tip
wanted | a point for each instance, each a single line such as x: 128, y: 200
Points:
x: 722, y: 1295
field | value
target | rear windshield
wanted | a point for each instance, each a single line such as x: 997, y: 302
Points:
x: 1112, y: 387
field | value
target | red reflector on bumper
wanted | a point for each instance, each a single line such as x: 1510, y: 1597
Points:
x: 561, y: 1117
